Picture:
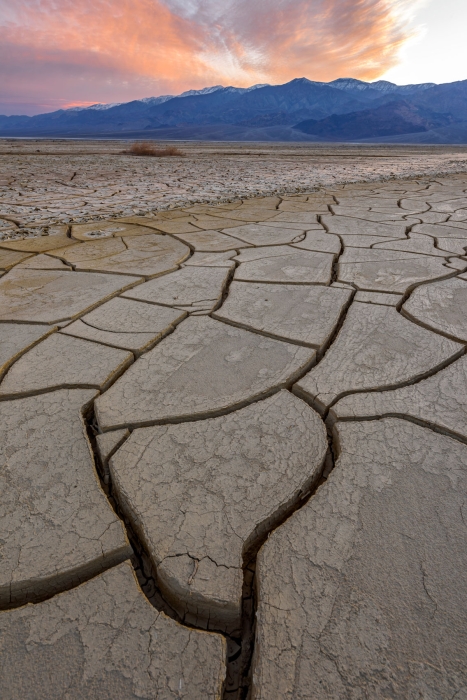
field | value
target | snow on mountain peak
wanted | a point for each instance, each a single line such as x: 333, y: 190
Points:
x: 97, y: 106
x: 165, y: 98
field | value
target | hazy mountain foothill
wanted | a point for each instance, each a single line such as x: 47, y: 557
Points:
x: 301, y: 110
x: 393, y: 118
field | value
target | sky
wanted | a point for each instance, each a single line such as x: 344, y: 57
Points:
x: 437, y: 51
x: 57, y: 54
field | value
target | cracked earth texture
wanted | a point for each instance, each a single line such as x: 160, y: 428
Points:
x: 48, y: 183
x: 233, y: 438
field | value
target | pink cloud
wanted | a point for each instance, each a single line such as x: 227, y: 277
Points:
x: 61, y: 52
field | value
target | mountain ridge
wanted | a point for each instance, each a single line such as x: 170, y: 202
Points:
x: 262, y: 110
x: 391, y: 119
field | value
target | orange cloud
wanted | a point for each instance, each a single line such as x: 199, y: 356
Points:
x: 58, y: 52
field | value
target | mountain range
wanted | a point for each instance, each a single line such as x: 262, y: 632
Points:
x: 300, y: 110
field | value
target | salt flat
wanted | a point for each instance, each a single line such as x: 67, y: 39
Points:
x: 45, y: 182
x: 233, y: 434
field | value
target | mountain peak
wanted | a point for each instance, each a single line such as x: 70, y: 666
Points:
x: 386, y: 86
x: 165, y: 98
x: 98, y: 106
x: 380, y: 109
x: 203, y: 91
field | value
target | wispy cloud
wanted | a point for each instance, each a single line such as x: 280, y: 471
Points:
x: 57, y: 52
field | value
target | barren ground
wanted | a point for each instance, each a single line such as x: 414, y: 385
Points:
x: 233, y: 434
x: 43, y: 182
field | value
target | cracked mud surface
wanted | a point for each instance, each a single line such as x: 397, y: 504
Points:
x: 369, y: 597
x: 45, y: 184
x: 234, y: 446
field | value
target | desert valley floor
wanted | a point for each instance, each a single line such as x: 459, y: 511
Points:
x: 233, y: 398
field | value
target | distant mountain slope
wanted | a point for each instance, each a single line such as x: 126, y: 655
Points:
x: 344, y: 109
x: 456, y: 134
x: 396, y: 117
x: 218, y: 132
x: 448, y: 98
x: 165, y: 98
x: 378, y: 89
x: 280, y: 104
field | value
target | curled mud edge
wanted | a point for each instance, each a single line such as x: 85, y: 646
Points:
x: 239, y: 666
x: 239, y: 649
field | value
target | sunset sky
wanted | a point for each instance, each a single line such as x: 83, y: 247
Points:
x: 61, y: 53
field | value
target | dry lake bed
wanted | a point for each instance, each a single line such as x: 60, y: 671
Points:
x: 233, y: 422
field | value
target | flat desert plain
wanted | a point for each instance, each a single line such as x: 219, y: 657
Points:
x: 233, y: 422
x: 60, y: 181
